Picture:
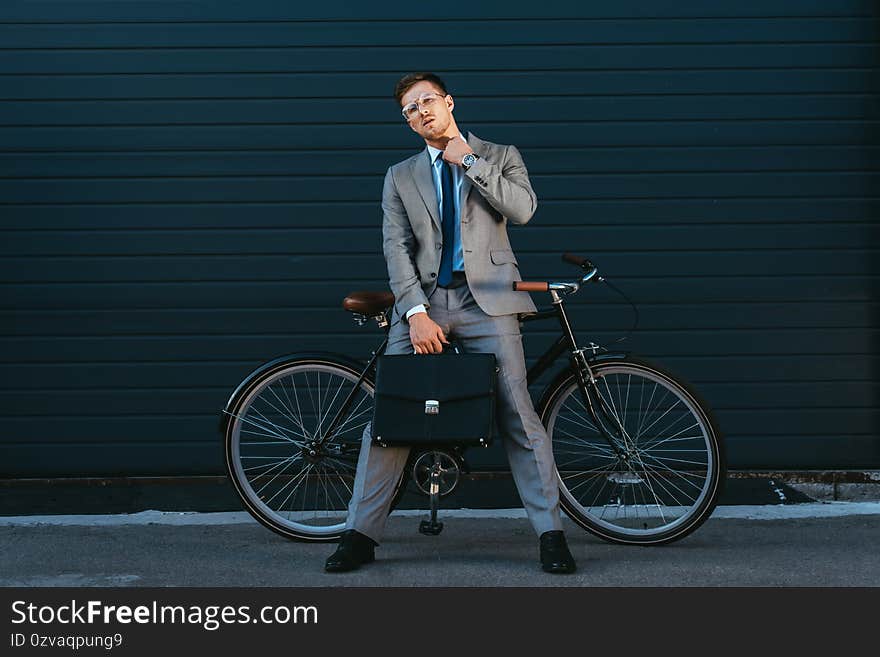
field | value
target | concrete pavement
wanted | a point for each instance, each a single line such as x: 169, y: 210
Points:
x: 782, y: 545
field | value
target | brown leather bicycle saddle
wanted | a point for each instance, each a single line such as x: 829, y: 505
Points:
x: 368, y: 303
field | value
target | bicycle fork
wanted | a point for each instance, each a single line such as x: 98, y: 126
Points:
x: 586, y: 382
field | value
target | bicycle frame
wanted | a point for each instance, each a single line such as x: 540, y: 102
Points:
x: 565, y: 342
x: 581, y: 367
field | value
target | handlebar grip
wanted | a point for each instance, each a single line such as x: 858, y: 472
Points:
x: 530, y: 286
x: 576, y: 260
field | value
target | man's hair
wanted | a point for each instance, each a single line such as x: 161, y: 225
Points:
x: 410, y: 79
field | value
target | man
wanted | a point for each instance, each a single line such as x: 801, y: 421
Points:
x: 451, y: 269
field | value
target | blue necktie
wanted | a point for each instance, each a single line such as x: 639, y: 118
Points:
x: 447, y: 190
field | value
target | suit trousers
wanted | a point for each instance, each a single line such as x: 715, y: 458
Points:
x: 524, y: 437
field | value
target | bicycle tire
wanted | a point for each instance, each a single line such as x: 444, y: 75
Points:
x: 270, y: 405
x: 667, y: 513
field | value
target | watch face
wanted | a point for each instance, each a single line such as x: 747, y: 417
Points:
x: 468, y: 160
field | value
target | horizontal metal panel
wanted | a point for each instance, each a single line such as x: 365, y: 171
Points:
x: 294, y: 321
x: 358, y: 188
x: 380, y: 85
x: 573, y: 212
x: 526, y: 134
x: 121, y: 429
x: 259, y: 10
x: 167, y: 174
x: 175, y: 400
x: 94, y: 459
x: 520, y: 109
x: 535, y: 239
x: 205, y: 458
x: 117, y: 348
x: 323, y: 267
x: 840, y: 450
x: 455, y: 58
x: 541, y: 30
x: 540, y: 161
x: 821, y: 359
x: 713, y: 372
x: 110, y: 295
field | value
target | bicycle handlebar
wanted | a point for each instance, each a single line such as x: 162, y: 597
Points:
x: 570, y: 258
x: 531, y: 286
x: 566, y: 286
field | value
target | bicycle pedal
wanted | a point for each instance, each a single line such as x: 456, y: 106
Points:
x: 430, y: 528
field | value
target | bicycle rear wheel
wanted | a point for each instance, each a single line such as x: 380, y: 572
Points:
x: 293, y: 488
x: 670, y: 481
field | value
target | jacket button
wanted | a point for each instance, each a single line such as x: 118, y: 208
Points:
x: 433, y: 275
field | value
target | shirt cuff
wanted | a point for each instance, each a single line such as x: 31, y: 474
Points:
x: 474, y: 170
x: 415, y: 309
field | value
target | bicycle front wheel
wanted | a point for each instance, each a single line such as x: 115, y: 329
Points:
x: 290, y: 485
x: 665, y: 479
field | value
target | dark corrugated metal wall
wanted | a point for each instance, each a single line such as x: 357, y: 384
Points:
x: 185, y: 195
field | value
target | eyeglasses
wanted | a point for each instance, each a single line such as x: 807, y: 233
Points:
x: 426, y: 100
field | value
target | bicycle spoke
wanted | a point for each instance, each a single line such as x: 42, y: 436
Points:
x: 276, y: 463
x: 627, y: 440
x: 580, y: 437
x: 660, y: 483
x: 330, y: 405
x: 598, y: 468
x: 585, y: 418
x: 679, y: 474
x: 283, y: 463
x: 296, y: 399
x: 367, y: 412
x: 643, y: 416
x: 341, y: 463
x: 667, y: 475
x: 352, y: 415
x: 283, y: 410
x: 300, y: 478
x: 308, y: 496
x: 580, y: 441
x: 298, y: 418
x: 260, y: 426
x: 674, y: 437
x: 659, y: 402
x: 651, y: 489
x: 331, y: 477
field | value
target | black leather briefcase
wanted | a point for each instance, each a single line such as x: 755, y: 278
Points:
x: 434, y: 399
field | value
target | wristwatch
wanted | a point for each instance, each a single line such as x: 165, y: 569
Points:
x: 468, y: 161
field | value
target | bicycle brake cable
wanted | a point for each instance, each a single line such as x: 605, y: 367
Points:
x: 635, y: 309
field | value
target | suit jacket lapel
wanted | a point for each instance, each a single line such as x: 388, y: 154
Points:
x: 421, y: 173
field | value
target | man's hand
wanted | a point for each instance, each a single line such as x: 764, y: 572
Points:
x: 426, y: 335
x: 456, y: 148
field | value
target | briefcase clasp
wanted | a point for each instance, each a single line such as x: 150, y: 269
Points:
x: 432, y: 407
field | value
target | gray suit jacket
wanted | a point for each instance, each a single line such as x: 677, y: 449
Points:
x: 413, y: 238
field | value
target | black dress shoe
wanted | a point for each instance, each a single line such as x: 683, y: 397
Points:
x: 354, y: 550
x: 555, y: 557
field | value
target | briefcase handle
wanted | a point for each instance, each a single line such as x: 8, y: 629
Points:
x: 452, y: 348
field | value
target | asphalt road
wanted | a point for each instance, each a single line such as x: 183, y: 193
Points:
x: 837, y: 551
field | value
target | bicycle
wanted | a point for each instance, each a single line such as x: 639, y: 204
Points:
x: 644, y: 472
